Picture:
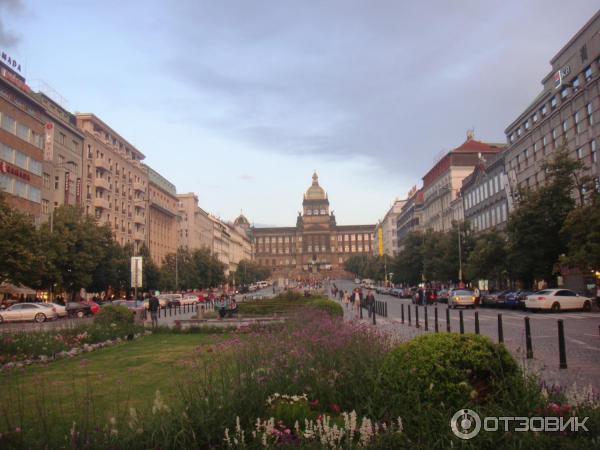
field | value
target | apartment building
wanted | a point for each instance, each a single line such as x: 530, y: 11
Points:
x: 409, y: 218
x: 566, y: 111
x: 195, y: 225
x: 22, y: 139
x: 115, y: 182
x: 162, y: 225
x: 389, y: 226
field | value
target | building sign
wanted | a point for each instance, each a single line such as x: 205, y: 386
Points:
x: 9, y: 168
x: 10, y: 62
x: 67, y: 187
x: 380, y: 240
x: 49, y: 142
x: 559, y: 75
x: 14, y: 79
x: 136, y: 271
x: 78, y: 191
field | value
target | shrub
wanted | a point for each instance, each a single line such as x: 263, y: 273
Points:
x: 330, y: 307
x: 114, y: 314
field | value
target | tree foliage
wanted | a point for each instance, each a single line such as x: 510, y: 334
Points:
x: 250, y: 272
x: 487, y: 261
x: 194, y: 269
x: 581, y: 231
x: 368, y: 266
x: 408, y: 265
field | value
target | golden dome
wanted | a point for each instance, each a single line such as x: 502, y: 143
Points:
x: 315, y: 192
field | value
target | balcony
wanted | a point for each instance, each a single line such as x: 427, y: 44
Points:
x: 138, y: 186
x: 102, y: 183
x: 138, y: 235
x: 101, y: 164
x: 100, y: 202
x: 139, y: 218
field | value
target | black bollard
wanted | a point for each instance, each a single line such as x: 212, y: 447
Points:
x: 402, y: 312
x: 500, y: 330
x: 448, y: 320
x: 562, y: 352
x: 476, y: 322
x: 361, y: 307
x: 462, y: 323
x: 417, y: 324
x: 409, y: 321
x: 436, y: 319
x: 425, y: 317
x: 374, y: 320
x: 528, y: 338
x: 385, y: 313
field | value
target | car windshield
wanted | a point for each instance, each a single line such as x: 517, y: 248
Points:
x: 463, y: 292
x: 545, y: 292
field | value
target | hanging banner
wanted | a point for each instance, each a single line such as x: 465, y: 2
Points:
x: 78, y: 191
x: 49, y: 142
x: 136, y: 271
x: 67, y: 187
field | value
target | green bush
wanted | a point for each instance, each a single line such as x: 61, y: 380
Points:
x: 114, y: 314
x: 447, y: 370
x: 330, y: 307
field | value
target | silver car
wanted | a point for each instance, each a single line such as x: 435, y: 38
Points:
x: 38, y: 312
x: 461, y: 297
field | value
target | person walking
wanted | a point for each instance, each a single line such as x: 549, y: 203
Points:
x: 357, y: 307
x: 153, y: 306
x: 371, y: 302
x: 346, y: 298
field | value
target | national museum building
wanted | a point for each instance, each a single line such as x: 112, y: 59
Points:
x: 317, y: 243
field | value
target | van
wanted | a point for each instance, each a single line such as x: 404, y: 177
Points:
x: 262, y: 284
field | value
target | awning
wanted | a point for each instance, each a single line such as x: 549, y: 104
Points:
x: 8, y: 288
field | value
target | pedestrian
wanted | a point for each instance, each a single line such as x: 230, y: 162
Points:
x: 342, y: 294
x: 477, y: 295
x: 346, y: 299
x: 153, y: 306
x: 371, y: 301
x: 222, y: 306
x: 357, y: 307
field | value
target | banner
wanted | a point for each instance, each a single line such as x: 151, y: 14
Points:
x: 78, y: 191
x: 49, y: 142
x: 136, y: 271
x: 67, y: 187
x: 380, y: 240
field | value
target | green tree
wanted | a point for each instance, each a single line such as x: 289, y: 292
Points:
x: 581, y: 231
x: 250, y: 272
x: 356, y: 264
x: 195, y: 270
x: 408, y: 265
x: 20, y: 261
x: 487, y: 261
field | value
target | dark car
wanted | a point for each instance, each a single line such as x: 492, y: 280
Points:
x: 78, y: 309
x: 442, y: 295
x: 494, y: 298
x: 522, y: 295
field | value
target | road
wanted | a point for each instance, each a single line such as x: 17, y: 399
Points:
x: 582, y: 335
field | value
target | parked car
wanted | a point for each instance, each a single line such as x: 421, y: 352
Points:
x: 175, y: 300
x: 61, y: 310
x: 494, y: 298
x: 523, y: 296
x: 396, y: 292
x: 78, y: 309
x: 442, y: 295
x: 189, y: 299
x: 461, y: 297
x: 95, y: 307
x: 516, y: 299
x: 38, y: 312
x: 557, y: 300
x: 386, y: 290
x: 357, y: 281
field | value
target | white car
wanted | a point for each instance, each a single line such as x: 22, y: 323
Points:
x: 38, y: 312
x: 461, y: 297
x: 189, y: 299
x: 357, y: 281
x: 61, y: 311
x: 557, y: 299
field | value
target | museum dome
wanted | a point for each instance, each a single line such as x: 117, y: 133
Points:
x: 241, y: 221
x: 315, y: 192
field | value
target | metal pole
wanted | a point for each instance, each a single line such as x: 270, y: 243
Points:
x: 476, y: 322
x: 459, y: 256
x: 417, y: 316
x: 402, y: 311
x: 500, y: 330
x: 462, y: 323
x: 409, y: 321
x: 426, y: 322
x: 176, y: 268
x: 448, y: 320
x: 528, y: 338
x: 562, y: 352
x: 374, y: 320
x: 436, y: 319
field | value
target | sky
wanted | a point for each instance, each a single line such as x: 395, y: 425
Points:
x: 240, y: 101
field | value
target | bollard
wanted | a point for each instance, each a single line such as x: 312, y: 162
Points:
x: 528, y: 338
x: 425, y: 317
x: 409, y: 321
x: 374, y: 320
x: 500, y: 330
x: 417, y: 324
x: 562, y: 352
x: 402, y: 312
x: 476, y: 322
x: 462, y: 323
x: 385, y: 309
x: 436, y: 319
x: 448, y: 320
x: 361, y: 307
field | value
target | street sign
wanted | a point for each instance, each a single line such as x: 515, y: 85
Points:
x: 136, y: 271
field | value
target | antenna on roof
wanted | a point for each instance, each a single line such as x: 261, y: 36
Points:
x: 470, y: 133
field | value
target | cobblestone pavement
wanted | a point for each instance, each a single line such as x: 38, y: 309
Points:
x: 582, y: 334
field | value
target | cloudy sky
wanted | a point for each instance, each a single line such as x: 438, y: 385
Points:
x: 239, y: 101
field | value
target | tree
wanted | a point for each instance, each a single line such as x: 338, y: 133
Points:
x: 581, y: 231
x: 356, y: 264
x: 250, y: 272
x: 366, y: 266
x: 487, y: 261
x: 198, y: 269
x: 20, y: 261
x: 408, y: 265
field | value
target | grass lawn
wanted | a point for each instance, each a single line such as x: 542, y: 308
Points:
x: 100, y: 384
x: 284, y: 303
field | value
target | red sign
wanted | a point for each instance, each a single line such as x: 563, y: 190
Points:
x: 49, y: 142
x: 9, y: 168
x: 78, y: 191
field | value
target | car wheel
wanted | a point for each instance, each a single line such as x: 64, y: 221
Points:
x: 40, y: 317
x: 555, y: 307
x: 587, y: 306
x: 80, y: 314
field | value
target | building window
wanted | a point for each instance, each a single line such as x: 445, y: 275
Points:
x: 519, y: 131
x: 8, y: 123
x: 23, y: 132
x: 544, y: 110
x: 590, y: 115
x: 553, y: 102
x: 593, y: 152
x: 588, y: 73
x: 576, y: 119
x: 527, y: 125
x: 46, y: 179
x: 579, y: 153
x: 45, y: 206
x: 575, y: 84
x: 534, y: 118
x: 565, y: 126
x: 564, y: 92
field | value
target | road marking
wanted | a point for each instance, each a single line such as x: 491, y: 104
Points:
x: 583, y: 344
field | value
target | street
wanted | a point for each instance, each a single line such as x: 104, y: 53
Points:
x: 582, y: 335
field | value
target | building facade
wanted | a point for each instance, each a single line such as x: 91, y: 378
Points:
x: 195, y: 224
x: 316, y: 244
x: 566, y: 111
x: 116, y: 183
x: 221, y: 242
x: 485, y: 201
x: 22, y: 138
x: 389, y: 226
x: 409, y: 219
x: 163, y: 216
x: 62, y: 174
x: 442, y: 183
